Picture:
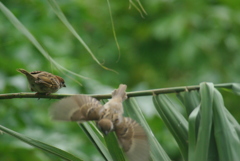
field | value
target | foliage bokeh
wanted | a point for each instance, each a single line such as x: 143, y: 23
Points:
x: 178, y: 43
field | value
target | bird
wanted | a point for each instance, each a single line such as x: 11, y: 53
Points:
x: 108, y: 117
x: 43, y: 82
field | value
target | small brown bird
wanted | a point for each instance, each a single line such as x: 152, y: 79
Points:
x: 43, y: 82
x: 109, y: 117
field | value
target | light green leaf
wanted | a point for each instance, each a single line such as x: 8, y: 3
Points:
x: 32, y: 39
x: 227, y: 139
x: 96, y: 137
x: 133, y: 110
x: 193, y: 132
x: 40, y: 145
x: 205, y: 124
x: 113, y: 147
x: 236, y: 88
x: 233, y: 122
x: 64, y: 20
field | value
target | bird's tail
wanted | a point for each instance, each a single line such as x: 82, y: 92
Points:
x: 23, y: 71
x: 120, y: 92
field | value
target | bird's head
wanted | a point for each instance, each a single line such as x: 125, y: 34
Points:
x: 105, y: 125
x: 61, y: 80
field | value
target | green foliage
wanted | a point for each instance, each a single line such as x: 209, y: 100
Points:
x: 50, y: 149
x: 211, y: 133
x: 177, y: 43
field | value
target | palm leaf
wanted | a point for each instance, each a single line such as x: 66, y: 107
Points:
x: 40, y: 145
x: 174, y: 120
x: 132, y: 109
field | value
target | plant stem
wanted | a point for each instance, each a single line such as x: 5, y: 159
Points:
x: 107, y: 96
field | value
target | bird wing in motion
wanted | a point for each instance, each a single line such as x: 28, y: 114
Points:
x: 77, y: 108
x: 133, y: 140
x: 131, y: 136
x: 46, y: 78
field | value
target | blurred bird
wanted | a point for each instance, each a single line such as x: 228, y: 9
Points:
x: 43, y: 82
x: 109, y: 117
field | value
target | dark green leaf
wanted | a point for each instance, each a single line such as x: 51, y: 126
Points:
x: 174, y: 120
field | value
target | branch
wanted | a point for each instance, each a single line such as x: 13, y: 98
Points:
x: 107, y: 96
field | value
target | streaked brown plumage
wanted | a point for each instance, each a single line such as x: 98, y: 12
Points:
x: 43, y: 82
x: 109, y: 117
x: 133, y: 140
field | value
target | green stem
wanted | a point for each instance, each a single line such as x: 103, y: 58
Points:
x: 107, y: 96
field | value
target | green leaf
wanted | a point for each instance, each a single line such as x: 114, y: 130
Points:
x: 236, y: 88
x: 233, y: 122
x: 64, y: 20
x: 96, y: 137
x: 40, y: 145
x: 133, y: 110
x: 227, y: 139
x: 205, y: 124
x: 190, y: 99
x: 193, y: 132
x: 113, y: 147
x: 174, y: 120
x: 32, y: 39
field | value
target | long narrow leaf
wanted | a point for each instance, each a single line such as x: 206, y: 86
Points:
x: 40, y: 145
x: 227, y: 140
x: 95, y: 136
x: 64, y: 20
x: 113, y: 28
x: 236, y: 88
x: 32, y: 39
x: 133, y: 110
x: 233, y: 122
x: 190, y: 99
x: 193, y: 132
x: 113, y: 147
x: 205, y: 127
x: 174, y: 120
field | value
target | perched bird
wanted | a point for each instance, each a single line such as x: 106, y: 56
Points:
x: 109, y: 117
x: 43, y: 82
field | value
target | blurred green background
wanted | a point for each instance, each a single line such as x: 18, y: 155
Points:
x: 179, y: 43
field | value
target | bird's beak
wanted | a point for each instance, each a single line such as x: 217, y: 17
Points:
x: 64, y: 85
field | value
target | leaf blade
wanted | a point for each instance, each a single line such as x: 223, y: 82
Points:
x: 40, y: 145
x: 174, y: 120
x: 133, y: 110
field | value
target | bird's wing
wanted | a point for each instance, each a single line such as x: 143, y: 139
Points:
x: 77, y: 108
x: 47, y: 79
x: 133, y: 140
x: 36, y: 72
